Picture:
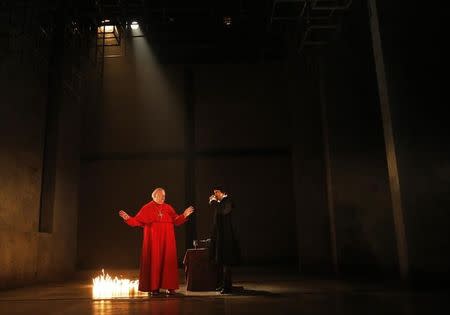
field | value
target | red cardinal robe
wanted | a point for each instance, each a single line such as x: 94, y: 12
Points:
x: 159, y: 267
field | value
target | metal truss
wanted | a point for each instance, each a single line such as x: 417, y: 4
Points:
x: 28, y: 33
x: 314, y: 22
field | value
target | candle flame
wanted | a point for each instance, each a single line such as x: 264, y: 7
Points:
x: 104, y: 287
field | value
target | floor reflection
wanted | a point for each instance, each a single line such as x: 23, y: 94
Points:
x: 102, y: 307
x: 153, y: 306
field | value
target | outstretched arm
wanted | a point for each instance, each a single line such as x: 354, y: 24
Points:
x: 129, y: 219
x: 181, y: 218
x: 140, y: 219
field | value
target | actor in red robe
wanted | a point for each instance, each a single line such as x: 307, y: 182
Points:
x: 158, y: 267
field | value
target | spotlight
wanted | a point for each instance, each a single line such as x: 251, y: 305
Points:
x: 227, y: 21
x: 134, y: 25
x: 106, y: 27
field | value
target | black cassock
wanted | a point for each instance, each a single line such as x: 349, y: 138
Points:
x: 224, y: 248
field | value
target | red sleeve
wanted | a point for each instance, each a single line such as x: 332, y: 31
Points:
x: 177, y: 219
x: 134, y: 222
x: 143, y: 217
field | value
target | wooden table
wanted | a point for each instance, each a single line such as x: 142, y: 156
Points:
x: 200, y: 272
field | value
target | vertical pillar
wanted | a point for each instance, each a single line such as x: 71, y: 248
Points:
x: 54, y: 99
x: 327, y: 164
x: 189, y: 158
x: 394, y: 181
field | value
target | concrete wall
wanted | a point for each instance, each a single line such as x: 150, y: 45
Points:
x: 243, y: 139
x: 365, y: 234
x: 352, y: 199
x: 27, y: 255
x: 344, y: 210
x: 417, y: 94
x: 134, y: 140
x: 309, y: 168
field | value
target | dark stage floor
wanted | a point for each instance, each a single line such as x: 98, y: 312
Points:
x: 259, y: 291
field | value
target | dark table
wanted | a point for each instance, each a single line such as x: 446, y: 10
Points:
x: 200, y: 272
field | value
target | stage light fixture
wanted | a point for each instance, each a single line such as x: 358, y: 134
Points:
x: 227, y: 21
x: 134, y: 25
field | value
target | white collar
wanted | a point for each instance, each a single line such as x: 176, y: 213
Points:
x: 224, y: 196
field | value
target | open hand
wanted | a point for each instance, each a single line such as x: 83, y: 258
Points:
x: 188, y: 211
x: 124, y: 215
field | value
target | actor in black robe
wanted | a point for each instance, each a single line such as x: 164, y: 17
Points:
x: 224, y: 249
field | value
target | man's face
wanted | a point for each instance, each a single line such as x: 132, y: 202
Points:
x: 218, y: 194
x: 160, y: 196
